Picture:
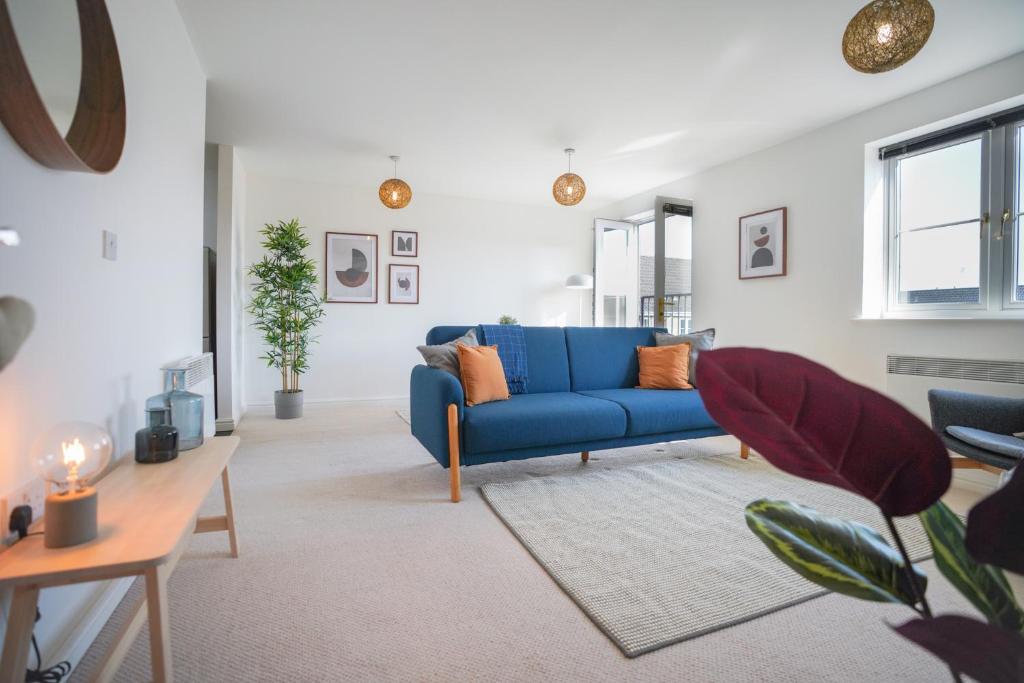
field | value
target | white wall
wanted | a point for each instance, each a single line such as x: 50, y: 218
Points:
x: 478, y: 260
x: 821, y: 178
x: 104, y: 328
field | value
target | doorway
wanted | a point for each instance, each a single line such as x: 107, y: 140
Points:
x: 643, y: 268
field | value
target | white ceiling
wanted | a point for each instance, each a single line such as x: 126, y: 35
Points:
x: 480, y: 96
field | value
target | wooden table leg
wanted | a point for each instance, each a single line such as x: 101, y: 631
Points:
x: 20, y: 622
x: 159, y: 625
x: 229, y: 512
x: 744, y: 450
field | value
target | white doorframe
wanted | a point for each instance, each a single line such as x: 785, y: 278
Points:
x: 601, y: 226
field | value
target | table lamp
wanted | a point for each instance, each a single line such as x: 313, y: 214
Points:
x: 68, y: 456
x: 580, y: 281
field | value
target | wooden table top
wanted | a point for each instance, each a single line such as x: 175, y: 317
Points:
x: 145, y: 512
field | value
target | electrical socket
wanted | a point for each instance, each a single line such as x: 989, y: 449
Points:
x: 32, y: 494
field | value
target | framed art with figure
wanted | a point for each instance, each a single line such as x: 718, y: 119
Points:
x: 350, y: 260
x: 762, y: 244
x: 403, y: 284
x: 405, y: 243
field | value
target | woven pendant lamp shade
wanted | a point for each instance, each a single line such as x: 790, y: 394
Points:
x: 395, y: 193
x: 886, y: 34
x: 569, y: 188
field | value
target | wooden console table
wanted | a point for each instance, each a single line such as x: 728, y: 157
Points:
x: 147, y: 515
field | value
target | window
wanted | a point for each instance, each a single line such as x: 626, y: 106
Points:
x: 1016, y: 219
x: 953, y: 221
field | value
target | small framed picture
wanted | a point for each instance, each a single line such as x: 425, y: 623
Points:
x: 403, y: 284
x: 405, y: 243
x: 350, y: 262
x: 763, y: 244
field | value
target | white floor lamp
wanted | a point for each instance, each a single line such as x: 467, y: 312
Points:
x: 580, y: 281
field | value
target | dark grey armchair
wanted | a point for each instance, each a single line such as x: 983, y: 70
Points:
x: 1001, y: 417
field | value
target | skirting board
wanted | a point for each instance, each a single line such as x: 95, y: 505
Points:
x: 376, y: 399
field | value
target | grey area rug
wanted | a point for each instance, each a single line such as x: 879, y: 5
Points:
x: 403, y: 415
x: 659, y: 553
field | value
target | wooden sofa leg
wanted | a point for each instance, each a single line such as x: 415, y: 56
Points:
x: 744, y: 450
x: 585, y: 456
x: 453, y: 452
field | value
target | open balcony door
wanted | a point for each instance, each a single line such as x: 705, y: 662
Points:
x: 616, y: 276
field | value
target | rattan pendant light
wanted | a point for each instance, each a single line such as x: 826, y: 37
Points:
x: 886, y: 34
x: 395, y: 193
x: 569, y: 188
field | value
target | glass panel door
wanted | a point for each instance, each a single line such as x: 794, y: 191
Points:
x: 616, y: 298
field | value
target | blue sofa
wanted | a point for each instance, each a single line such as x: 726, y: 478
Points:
x: 581, y: 397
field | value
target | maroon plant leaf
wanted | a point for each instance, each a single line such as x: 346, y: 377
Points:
x: 809, y: 421
x: 986, y: 653
x: 995, y: 526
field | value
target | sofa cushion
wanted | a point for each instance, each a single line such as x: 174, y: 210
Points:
x: 605, y: 357
x: 658, y: 411
x: 548, y: 419
x: 546, y: 357
x: 445, y: 356
x: 442, y: 334
x: 547, y: 360
x: 1003, y: 444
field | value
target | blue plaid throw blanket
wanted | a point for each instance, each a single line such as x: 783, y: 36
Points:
x: 511, y: 343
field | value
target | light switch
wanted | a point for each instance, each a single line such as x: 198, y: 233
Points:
x: 109, y: 245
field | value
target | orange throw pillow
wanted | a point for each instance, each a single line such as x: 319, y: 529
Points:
x: 664, y: 367
x: 483, y: 377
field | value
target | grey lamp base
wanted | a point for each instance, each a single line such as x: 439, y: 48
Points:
x: 70, y: 518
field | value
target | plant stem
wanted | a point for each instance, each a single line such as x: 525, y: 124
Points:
x: 908, y: 567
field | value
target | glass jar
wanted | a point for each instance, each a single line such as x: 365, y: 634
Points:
x: 158, y: 441
x: 186, y: 409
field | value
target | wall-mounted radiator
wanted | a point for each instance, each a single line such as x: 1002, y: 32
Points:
x: 199, y: 380
x: 908, y: 378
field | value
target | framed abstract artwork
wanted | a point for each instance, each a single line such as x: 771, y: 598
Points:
x: 405, y: 243
x: 403, y: 284
x: 350, y: 261
x: 763, y: 244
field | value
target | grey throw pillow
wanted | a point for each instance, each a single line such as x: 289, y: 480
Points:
x: 1003, y: 444
x: 446, y: 356
x: 698, y: 341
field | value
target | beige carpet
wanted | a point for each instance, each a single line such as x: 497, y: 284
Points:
x: 355, y: 567
x: 627, y: 543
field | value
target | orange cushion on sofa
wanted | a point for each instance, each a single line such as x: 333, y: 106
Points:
x: 664, y: 367
x: 483, y: 377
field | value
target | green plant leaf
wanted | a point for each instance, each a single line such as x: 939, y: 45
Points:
x: 984, y: 585
x: 842, y: 556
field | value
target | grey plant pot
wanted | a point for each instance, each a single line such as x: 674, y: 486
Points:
x: 287, y: 404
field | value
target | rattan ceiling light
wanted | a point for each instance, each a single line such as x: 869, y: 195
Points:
x: 569, y: 188
x: 395, y: 193
x: 886, y: 34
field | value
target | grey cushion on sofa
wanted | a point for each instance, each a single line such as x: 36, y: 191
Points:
x: 445, y: 356
x: 698, y: 341
x: 997, y: 443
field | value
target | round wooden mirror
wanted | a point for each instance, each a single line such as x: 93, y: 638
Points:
x: 95, y: 137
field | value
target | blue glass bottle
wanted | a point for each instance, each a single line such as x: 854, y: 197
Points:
x: 158, y: 440
x: 186, y: 409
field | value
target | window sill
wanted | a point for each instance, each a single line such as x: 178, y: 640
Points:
x: 1015, y: 316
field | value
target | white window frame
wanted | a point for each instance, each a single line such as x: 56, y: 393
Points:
x: 995, y: 272
x: 1014, y: 205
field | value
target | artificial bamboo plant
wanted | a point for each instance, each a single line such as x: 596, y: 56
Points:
x: 286, y: 304
x: 812, y: 423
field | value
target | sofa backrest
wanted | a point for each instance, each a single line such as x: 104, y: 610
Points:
x: 605, y: 357
x: 547, y: 359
